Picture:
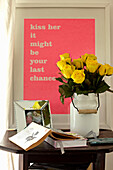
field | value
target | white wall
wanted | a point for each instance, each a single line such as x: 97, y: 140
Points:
x: 109, y: 160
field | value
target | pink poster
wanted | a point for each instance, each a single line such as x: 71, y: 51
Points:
x: 44, y: 41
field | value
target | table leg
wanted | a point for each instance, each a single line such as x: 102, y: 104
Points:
x: 99, y: 164
x: 23, y: 162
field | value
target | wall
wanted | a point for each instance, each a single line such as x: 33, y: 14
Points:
x: 109, y: 162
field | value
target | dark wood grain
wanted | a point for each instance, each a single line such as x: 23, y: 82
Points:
x: 9, y: 146
x: 44, y: 153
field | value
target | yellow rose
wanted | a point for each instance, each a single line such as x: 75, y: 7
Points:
x: 78, y: 76
x: 67, y: 60
x: 78, y: 63
x: 61, y: 64
x: 84, y: 57
x: 64, y: 56
x: 36, y: 105
x: 91, y: 57
x: 109, y: 69
x: 73, y: 67
x: 92, y: 65
x: 102, y: 70
x: 88, y: 57
x: 67, y: 71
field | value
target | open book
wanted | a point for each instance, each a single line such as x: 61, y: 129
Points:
x: 34, y: 134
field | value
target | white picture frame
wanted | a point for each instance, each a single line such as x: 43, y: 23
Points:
x: 25, y: 113
x: 62, y: 120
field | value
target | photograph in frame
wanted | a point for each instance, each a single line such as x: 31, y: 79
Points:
x: 25, y: 113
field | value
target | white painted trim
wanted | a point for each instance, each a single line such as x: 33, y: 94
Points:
x: 49, y: 3
x: 57, y: 119
x: 107, y: 33
x: 108, y: 60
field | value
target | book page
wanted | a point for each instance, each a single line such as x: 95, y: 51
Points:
x: 29, y: 136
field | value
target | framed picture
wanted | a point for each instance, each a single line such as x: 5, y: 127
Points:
x: 26, y: 113
x: 61, y: 14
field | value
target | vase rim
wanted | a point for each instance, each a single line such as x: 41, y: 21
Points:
x: 90, y: 95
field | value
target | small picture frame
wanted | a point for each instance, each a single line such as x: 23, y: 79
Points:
x: 25, y: 113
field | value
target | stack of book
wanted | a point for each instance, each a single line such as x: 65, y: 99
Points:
x: 34, y: 134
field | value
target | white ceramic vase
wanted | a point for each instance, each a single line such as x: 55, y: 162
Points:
x: 84, y: 123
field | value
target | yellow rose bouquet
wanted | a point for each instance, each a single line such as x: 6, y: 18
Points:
x: 82, y: 76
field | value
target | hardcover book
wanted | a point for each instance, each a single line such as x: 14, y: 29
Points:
x: 34, y: 134
x: 78, y: 142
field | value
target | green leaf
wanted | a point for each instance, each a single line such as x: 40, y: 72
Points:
x: 99, y: 79
x: 63, y: 77
x: 87, y: 82
x: 102, y: 87
x: 62, y: 99
x: 65, y: 90
x: 82, y: 92
x: 110, y: 90
x: 61, y: 91
x: 71, y: 82
x: 59, y: 79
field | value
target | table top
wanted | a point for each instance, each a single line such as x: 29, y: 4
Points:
x: 45, y: 148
